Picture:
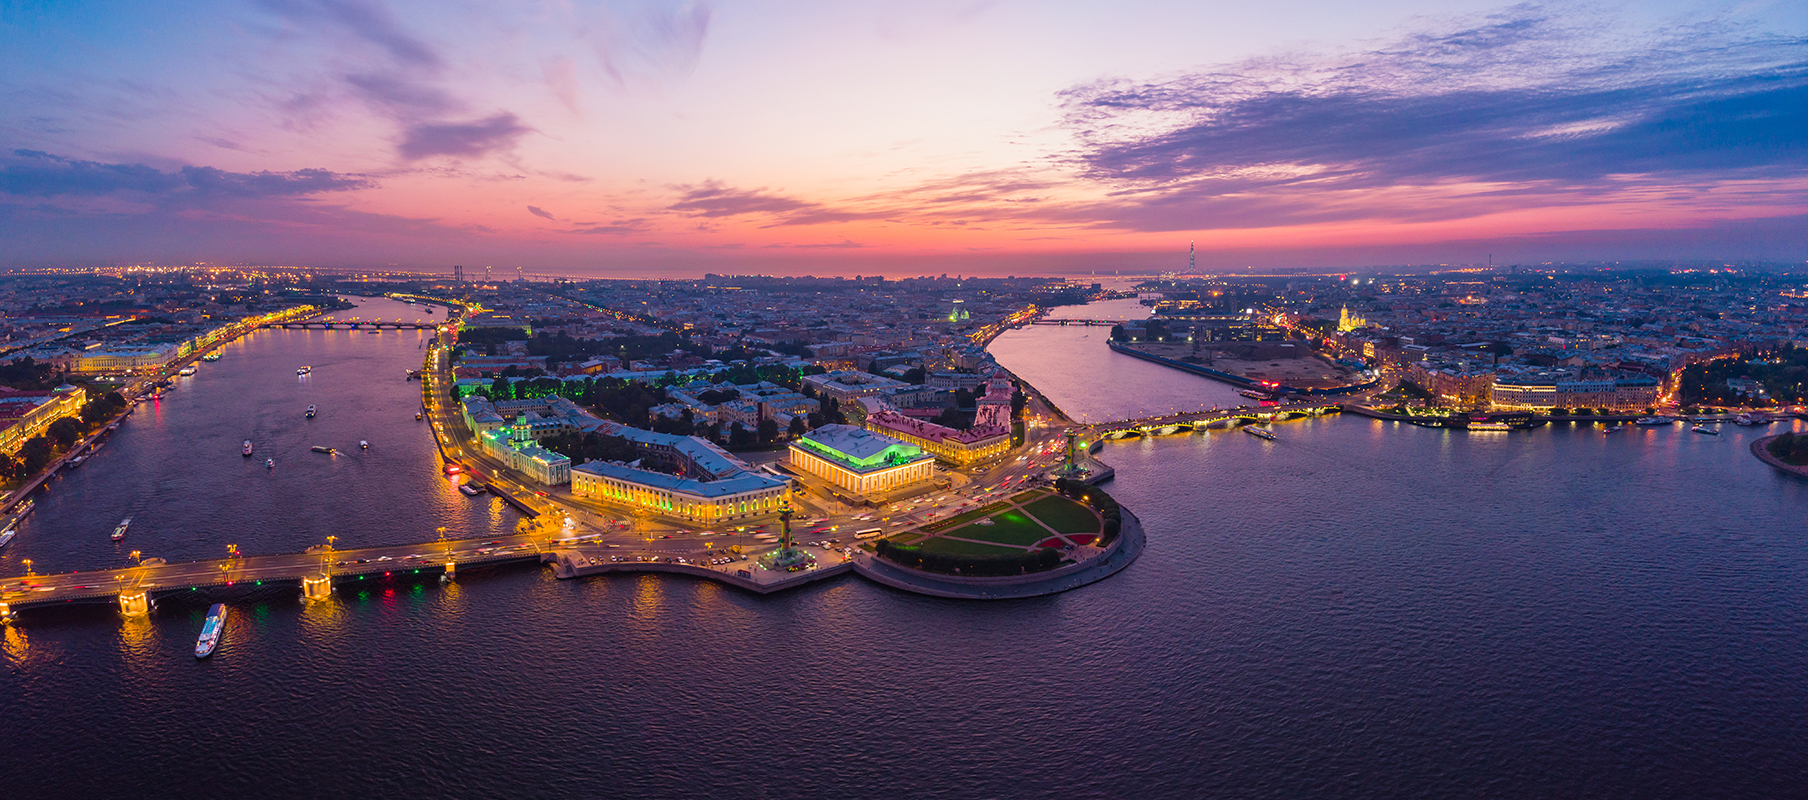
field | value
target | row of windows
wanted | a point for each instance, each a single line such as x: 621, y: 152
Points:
x: 675, y: 503
x: 848, y: 479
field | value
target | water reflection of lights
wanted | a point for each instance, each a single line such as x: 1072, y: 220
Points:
x: 138, y: 639
x: 16, y: 645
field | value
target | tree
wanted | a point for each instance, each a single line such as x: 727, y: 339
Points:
x: 951, y: 418
x: 739, y: 436
x: 35, y: 453
x: 65, y: 431
x: 768, y: 430
x: 95, y: 410
x: 797, y: 428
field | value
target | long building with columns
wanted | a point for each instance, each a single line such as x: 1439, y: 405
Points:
x: 860, y: 461
x: 697, y: 480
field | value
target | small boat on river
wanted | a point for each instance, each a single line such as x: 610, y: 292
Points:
x: 363, y: 445
x: 310, y: 412
x: 1706, y: 430
x: 269, y: 463
x: 1258, y: 431
x: 246, y: 449
x: 211, y: 631
x: 304, y: 370
x: 120, y: 531
x: 320, y: 448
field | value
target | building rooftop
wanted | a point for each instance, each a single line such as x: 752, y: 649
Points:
x: 857, y: 448
x: 741, y: 481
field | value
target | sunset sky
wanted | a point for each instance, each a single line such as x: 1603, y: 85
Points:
x: 676, y: 138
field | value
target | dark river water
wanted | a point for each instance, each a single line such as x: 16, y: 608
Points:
x: 1358, y: 609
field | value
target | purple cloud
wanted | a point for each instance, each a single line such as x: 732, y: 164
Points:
x: 652, y: 39
x: 714, y: 199
x: 541, y: 212
x: 31, y: 173
x: 371, y: 22
x: 1514, y: 99
x: 402, y: 97
x: 462, y: 139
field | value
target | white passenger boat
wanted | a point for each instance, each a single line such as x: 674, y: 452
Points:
x: 1260, y: 432
x: 120, y: 532
x: 211, y: 631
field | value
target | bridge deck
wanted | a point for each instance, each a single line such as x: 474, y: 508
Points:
x: 1212, y: 415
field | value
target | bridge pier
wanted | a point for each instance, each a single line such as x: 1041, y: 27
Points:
x: 451, y: 572
x: 6, y: 611
x: 316, y: 587
x: 135, y: 603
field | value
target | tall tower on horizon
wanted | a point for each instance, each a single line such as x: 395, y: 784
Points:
x: 1192, y: 265
x: 458, y: 273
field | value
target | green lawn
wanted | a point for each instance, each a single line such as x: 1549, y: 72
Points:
x: 968, y: 548
x: 904, y: 538
x: 1012, y: 527
x: 1064, y: 515
x: 965, y: 517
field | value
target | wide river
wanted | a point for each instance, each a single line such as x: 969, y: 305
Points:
x: 1359, y: 609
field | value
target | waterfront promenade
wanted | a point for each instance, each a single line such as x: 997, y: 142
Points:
x: 1760, y: 449
x: 1117, y: 556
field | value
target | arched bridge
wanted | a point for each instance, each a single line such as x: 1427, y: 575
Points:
x: 1085, y: 322
x: 354, y: 324
x: 1190, y: 421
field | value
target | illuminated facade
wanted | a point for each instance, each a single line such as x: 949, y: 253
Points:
x: 860, y: 461
x: 989, y: 438
x: 958, y: 448
x: 741, y: 496
x: 515, y: 446
x: 1545, y: 391
x: 706, y: 484
x: 24, y: 415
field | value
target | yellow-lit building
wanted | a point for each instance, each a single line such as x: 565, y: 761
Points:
x: 706, y: 484
x: 860, y: 461
x: 27, y: 414
x: 956, y: 448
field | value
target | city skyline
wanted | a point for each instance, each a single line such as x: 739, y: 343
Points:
x: 650, y: 139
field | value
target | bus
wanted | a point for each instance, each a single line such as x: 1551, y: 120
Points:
x: 868, y: 533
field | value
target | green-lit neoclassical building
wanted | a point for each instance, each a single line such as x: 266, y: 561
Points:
x: 860, y: 461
